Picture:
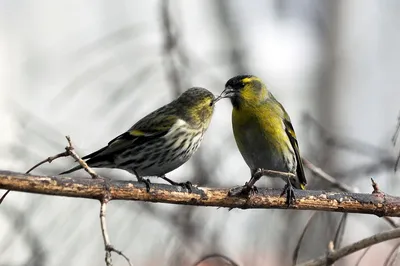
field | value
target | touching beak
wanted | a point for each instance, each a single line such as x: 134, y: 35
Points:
x: 227, y: 93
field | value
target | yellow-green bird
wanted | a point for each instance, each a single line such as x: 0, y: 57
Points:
x: 161, y: 141
x: 263, y: 131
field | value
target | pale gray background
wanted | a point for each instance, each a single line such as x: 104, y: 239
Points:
x: 90, y: 69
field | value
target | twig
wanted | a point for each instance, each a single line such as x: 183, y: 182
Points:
x: 375, y: 186
x: 71, y: 151
x: 48, y: 160
x: 103, y: 207
x: 331, y: 248
x: 297, y: 248
x: 320, y: 173
x: 366, y: 242
x: 107, y: 243
x: 362, y: 256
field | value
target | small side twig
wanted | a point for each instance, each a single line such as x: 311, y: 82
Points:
x: 331, y: 248
x: 297, y: 248
x: 47, y: 160
x: 103, y: 207
x: 366, y: 242
x: 375, y: 187
x: 107, y: 243
x: 71, y: 151
x: 104, y: 232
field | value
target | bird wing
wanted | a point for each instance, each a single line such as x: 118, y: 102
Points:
x: 293, y: 140
x: 152, y: 126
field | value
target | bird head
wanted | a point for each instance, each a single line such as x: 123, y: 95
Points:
x: 198, y: 105
x: 244, y: 90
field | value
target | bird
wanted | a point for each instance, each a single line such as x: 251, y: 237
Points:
x: 264, y: 133
x: 161, y: 141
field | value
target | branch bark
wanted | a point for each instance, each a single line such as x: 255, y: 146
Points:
x: 340, y: 253
x: 377, y: 203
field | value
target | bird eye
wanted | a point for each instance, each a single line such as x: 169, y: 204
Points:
x: 211, y: 102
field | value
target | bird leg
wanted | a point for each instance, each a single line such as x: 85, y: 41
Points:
x: 143, y: 180
x: 289, y: 191
x: 188, y: 185
x: 249, y: 187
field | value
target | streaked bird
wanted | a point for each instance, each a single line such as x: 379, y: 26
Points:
x: 161, y: 141
x: 263, y: 132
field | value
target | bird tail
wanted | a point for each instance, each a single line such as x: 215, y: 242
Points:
x: 297, y: 184
x: 71, y: 170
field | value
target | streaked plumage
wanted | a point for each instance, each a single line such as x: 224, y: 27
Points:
x: 263, y: 131
x: 161, y: 141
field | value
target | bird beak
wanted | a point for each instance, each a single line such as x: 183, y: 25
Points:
x: 229, y: 92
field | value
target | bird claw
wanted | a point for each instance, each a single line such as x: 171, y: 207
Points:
x: 245, y: 190
x: 188, y: 185
x: 146, y: 182
x: 290, y: 196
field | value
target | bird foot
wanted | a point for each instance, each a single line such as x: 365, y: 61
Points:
x: 245, y: 190
x: 187, y: 185
x: 146, y: 182
x: 290, y: 196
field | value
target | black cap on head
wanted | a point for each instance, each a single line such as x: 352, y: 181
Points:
x: 237, y: 81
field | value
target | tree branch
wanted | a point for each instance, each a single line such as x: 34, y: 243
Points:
x: 376, y: 203
x: 340, y: 253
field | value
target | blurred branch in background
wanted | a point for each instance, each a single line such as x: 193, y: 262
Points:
x: 299, y: 242
x: 335, y: 255
x: 215, y: 260
x: 382, y: 159
x: 170, y: 33
x: 394, y: 140
x: 236, y: 51
x: 175, y: 58
x: 21, y: 227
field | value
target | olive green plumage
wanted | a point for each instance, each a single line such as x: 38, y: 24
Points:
x: 262, y: 129
x: 161, y: 141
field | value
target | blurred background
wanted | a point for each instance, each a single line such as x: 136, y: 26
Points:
x: 91, y: 69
